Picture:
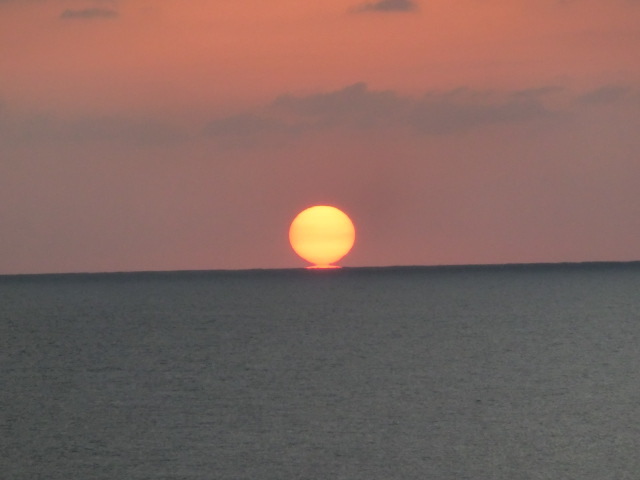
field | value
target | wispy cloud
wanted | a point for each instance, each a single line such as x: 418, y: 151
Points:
x: 358, y: 107
x: 387, y: 6
x: 354, y: 108
x: 46, y: 129
x: 604, y: 94
x: 250, y: 129
x: 354, y: 104
x: 89, y: 14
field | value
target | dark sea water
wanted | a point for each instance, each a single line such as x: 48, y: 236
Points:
x: 520, y: 372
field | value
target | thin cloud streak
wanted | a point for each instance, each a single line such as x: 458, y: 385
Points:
x: 288, y: 117
x: 386, y: 6
x: 356, y: 106
x: 89, y: 14
x: 605, y: 94
x: 49, y: 129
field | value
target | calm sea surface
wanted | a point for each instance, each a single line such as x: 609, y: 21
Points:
x: 521, y: 372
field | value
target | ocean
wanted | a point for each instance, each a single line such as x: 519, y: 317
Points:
x: 494, y: 372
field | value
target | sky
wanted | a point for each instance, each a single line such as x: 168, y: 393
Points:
x: 187, y: 134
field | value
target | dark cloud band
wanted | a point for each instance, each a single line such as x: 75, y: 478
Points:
x: 387, y: 6
x: 88, y: 14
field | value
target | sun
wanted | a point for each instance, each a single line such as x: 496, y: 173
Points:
x: 322, y: 235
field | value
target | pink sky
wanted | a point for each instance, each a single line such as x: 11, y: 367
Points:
x: 161, y: 135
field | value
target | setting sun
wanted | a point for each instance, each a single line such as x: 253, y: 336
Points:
x: 322, y: 235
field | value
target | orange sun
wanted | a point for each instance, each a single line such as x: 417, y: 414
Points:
x: 322, y: 235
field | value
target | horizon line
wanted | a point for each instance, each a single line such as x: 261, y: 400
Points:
x: 343, y: 268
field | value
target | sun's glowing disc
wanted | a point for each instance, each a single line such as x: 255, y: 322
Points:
x: 322, y: 235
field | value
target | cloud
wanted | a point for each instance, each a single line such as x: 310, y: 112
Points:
x: 89, y: 13
x: 354, y: 104
x: 464, y: 109
x: 356, y: 107
x: 287, y: 116
x: 123, y: 130
x: 249, y: 129
x: 387, y: 6
x: 604, y: 94
x: 46, y: 129
x: 244, y: 125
